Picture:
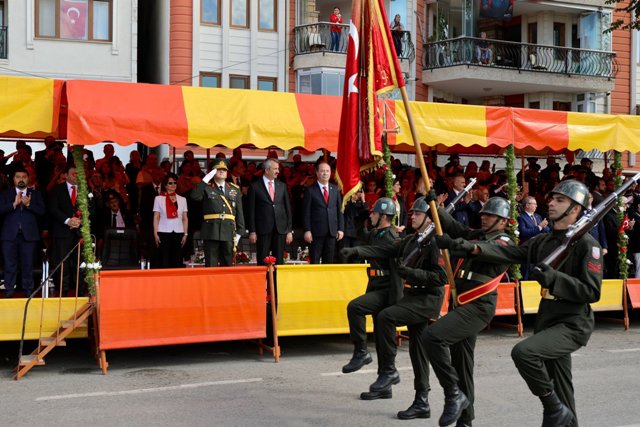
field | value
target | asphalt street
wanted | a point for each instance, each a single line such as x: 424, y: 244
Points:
x: 229, y: 384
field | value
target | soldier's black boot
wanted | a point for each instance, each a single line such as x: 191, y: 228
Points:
x: 418, y: 409
x: 463, y: 423
x: 555, y: 414
x: 389, y: 376
x: 373, y: 395
x: 454, y: 403
x: 360, y: 358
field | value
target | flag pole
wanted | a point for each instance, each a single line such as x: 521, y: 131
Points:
x: 427, y: 186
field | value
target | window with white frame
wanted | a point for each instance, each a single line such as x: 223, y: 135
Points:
x: 321, y: 81
x: 240, y: 13
x: 210, y: 12
x: 267, y: 13
x: 74, y: 19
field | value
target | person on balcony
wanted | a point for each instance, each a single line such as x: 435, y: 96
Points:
x: 484, y: 55
x: 336, y: 30
x: 397, y: 28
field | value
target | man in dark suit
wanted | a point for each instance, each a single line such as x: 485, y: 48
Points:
x: 530, y: 224
x: 269, y: 214
x: 65, y: 223
x: 461, y: 213
x: 21, y: 208
x: 147, y: 195
x: 322, y: 220
x: 114, y: 216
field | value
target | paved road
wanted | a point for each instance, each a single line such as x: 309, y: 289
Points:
x: 228, y: 384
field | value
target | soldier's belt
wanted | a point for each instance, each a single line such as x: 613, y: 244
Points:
x: 545, y: 294
x: 220, y: 216
x: 373, y: 272
x: 479, y: 291
x: 470, y: 275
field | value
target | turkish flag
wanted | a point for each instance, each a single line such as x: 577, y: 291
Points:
x: 74, y: 19
x: 372, y: 68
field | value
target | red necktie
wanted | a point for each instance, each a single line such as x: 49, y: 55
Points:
x: 74, y: 195
x: 326, y: 194
x: 272, y: 191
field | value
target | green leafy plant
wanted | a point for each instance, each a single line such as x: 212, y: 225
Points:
x: 623, y: 264
x: 512, y: 190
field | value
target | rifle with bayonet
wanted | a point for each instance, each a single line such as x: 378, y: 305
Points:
x: 424, y: 237
x: 586, y: 223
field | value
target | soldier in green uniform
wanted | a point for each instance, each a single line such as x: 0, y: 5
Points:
x: 223, y: 218
x: 421, y: 302
x: 450, y: 342
x: 383, y: 290
x: 565, y: 320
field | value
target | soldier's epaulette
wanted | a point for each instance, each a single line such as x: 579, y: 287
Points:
x: 234, y: 185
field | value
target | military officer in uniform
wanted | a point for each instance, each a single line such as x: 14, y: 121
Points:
x: 421, y: 301
x: 223, y: 218
x: 565, y: 320
x: 450, y: 342
x: 383, y: 290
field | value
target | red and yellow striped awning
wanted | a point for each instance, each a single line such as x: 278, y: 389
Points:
x: 177, y: 115
x: 29, y: 108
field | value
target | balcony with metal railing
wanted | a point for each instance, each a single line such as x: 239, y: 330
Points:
x: 4, y: 31
x: 517, y: 67
x: 325, y: 44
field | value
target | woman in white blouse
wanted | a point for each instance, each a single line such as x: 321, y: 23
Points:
x: 170, y: 224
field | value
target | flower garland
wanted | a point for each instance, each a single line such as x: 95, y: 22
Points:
x: 512, y: 190
x: 623, y: 264
x: 386, y: 165
x: 89, y: 256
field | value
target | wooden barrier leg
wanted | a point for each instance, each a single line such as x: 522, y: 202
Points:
x: 625, y: 306
x: 274, y: 318
x: 519, y: 309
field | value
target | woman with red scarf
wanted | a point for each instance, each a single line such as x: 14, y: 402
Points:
x: 170, y: 224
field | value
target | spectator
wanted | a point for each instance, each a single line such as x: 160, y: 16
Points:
x: 372, y: 192
x: 461, y: 211
x: 481, y: 195
x: 186, y: 183
x: 132, y: 169
x: 108, y: 151
x: 148, y: 195
x: 21, y: 208
x: 166, y: 166
x: 355, y: 212
x: 269, y: 214
x: 145, y: 175
x: 336, y: 30
x: 397, y: 31
x: 400, y: 220
x: 45, y: 160
x: 484, y: 55
x: 322, y: 217
x: 65, y: 224
x: 115, y: 216
x: 170, y: 224
x: 453, y: 167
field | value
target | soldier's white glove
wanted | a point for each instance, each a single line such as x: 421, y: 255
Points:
x: 236, y: 239
x: 208, y: 177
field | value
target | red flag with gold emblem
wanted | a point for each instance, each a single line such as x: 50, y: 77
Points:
x: 372, y: 68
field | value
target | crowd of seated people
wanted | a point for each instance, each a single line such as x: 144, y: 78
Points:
x: 123, y: 196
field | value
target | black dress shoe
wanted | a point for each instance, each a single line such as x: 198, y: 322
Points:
x: 374, y: 395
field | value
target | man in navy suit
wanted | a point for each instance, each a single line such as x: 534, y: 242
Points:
x: 530, y: 224
x: 269, y: 214
x: 21, y: 208
x: 462, y: 212
x: 65, y: 224
x: 321, y: 217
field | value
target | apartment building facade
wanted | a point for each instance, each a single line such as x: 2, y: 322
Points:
x: 69, y: 39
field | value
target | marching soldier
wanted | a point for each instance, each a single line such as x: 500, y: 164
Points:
x: 565, y: 320
x: 223, y: 218
x: 450, y: 342
x: 382, y: 290
x: 421, y: 301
